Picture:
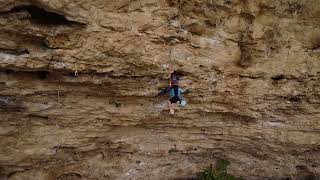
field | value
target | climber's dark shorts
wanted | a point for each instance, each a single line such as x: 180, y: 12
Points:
x: 174, y: 99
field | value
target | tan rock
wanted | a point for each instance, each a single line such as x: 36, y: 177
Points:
x: 78, y: 80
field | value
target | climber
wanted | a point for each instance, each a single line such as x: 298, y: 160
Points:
x: 176, y: 101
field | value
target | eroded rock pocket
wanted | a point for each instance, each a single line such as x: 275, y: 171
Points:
x: 41, y: 16
x: 18, y: 44
x: 42, y: 30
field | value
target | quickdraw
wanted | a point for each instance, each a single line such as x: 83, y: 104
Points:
x: 76, y: 72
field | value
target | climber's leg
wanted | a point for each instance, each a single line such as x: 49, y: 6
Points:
x: 173, y: 105
x: 178, y: 106
x: 171, y: 111
x: 170, y: 107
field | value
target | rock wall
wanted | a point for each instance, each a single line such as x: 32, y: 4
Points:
x: 78, y: 80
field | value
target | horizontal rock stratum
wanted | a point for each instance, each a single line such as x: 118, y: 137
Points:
x: 78, y: 81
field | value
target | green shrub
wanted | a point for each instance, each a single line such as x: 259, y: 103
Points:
x: 218, y: 173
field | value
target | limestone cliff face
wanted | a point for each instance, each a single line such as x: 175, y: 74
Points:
x: 252, y: 68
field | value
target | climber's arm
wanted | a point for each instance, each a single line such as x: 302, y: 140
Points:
x: 185, y: 91
x: 163, y: 92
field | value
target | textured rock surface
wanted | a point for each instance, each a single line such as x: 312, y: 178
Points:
x: 252, y: 67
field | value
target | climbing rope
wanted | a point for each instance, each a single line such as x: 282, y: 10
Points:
x: 170, y: 68
x: 170, y: 71
x: 58, y: 94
